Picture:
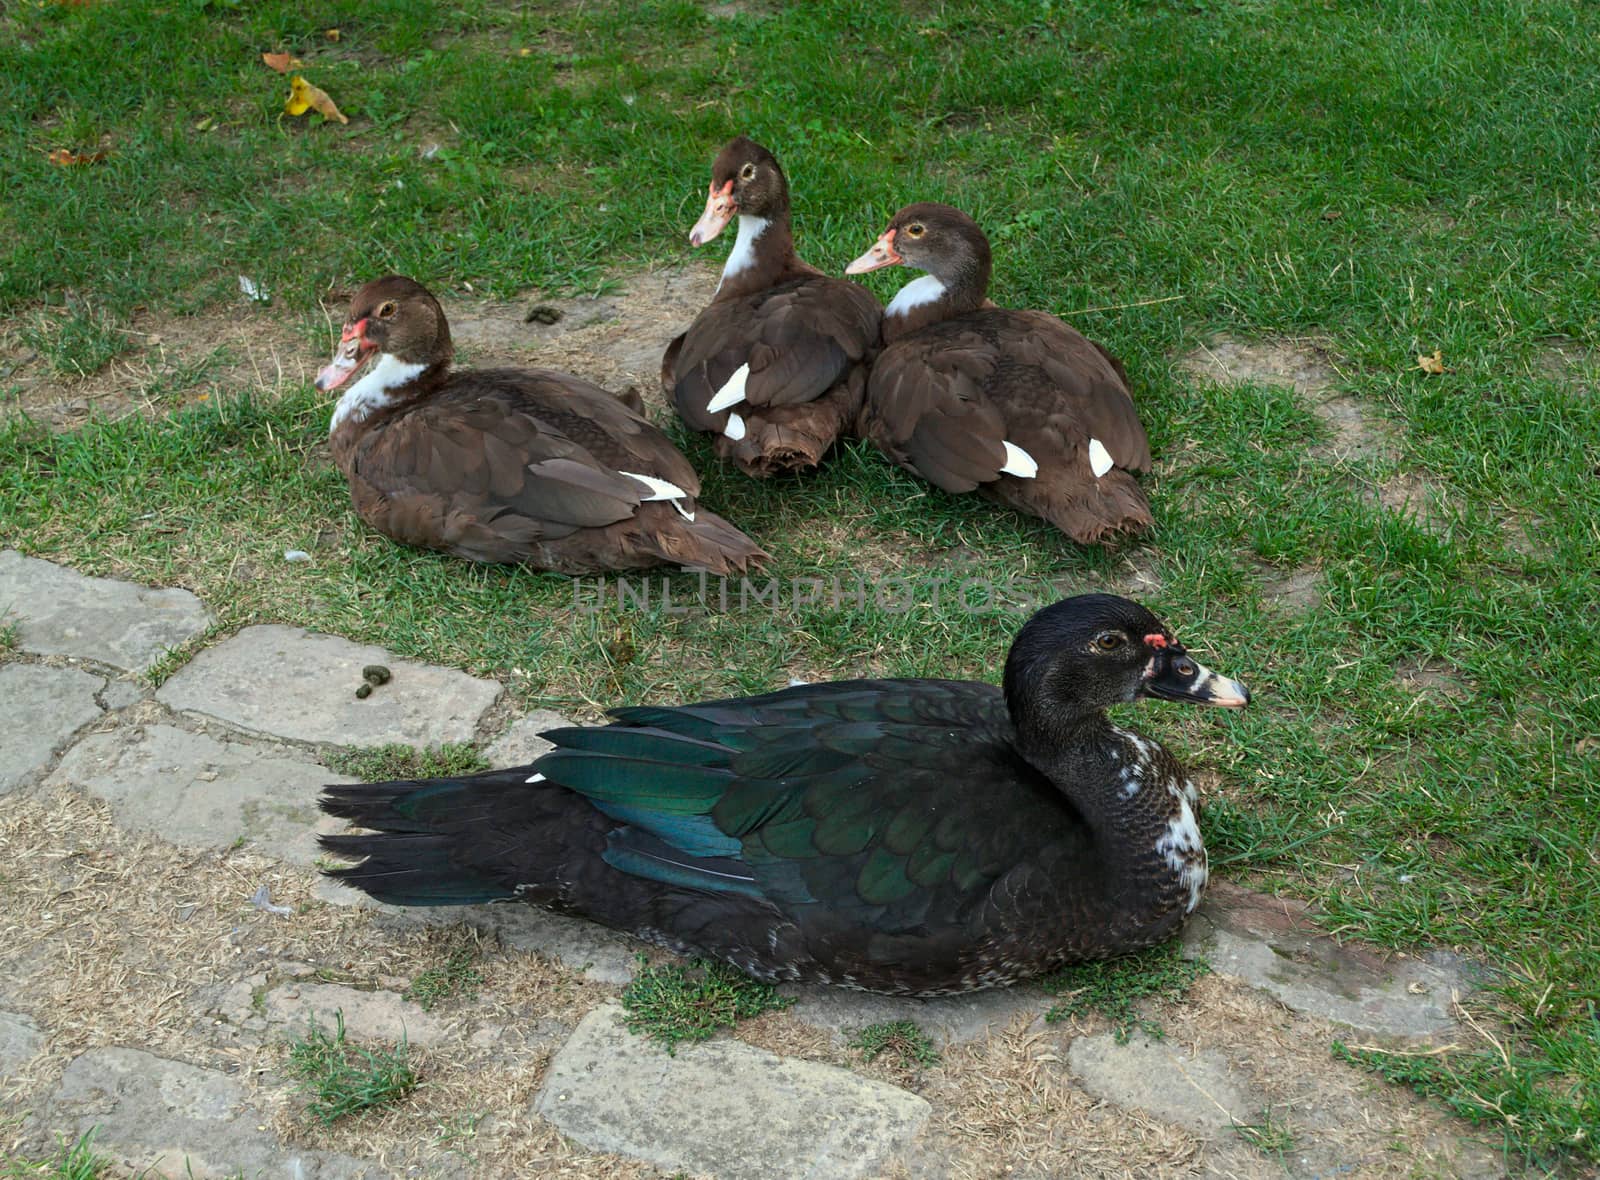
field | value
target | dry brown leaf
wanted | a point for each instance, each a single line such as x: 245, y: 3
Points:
x: 69, y: 159
x: 303, y: 97
x: 281, y: 62
x: 1431, y: 363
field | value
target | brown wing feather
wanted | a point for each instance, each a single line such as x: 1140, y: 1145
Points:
x: 528, y: 465
x: 941, y: 400
x: 800, y: 339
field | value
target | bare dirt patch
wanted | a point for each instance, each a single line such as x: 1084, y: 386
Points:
x: 1415, y: 498
x: 169, y: 362
x: 1308, y: 367
x: 1293, y: 590
x: 1430, y: 678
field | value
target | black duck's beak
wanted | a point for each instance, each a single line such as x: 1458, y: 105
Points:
x: 1174, y: 676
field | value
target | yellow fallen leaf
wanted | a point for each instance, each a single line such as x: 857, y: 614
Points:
x: 331, y: 34
x: 1433, y: 363
x: 69, y: 159
x: 524, y: 53
x: 206, y: 124
x: 281, y: 62
x: 303, y: 96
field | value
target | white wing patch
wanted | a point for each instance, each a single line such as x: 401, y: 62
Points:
x: 1100, y: 460
x: 914, y: 294
x: 538, y: 778
x: 372, y: 391
x: 735, y: 427
x: 1018, y: 462
x: 660, y: 489
x: 732, y: 391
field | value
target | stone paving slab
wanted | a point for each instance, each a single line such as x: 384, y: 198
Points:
x: 722, y: 1107
x: 602, y: 955
x: 182, y: 1121
x: 520, y: 744
x: 1270, y: 944
x: 292, y: 683
x: 1199, y: 1091
x: 949, y: 1020
x: 196, y: 790
x: 20, y: 1039
x: 60, y: 612
x: 42, y: 708
x: 381, y: 1016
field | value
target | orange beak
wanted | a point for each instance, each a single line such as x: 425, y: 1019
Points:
x: 354, y: 348
x: 720, y: 208
x: 882, y: 254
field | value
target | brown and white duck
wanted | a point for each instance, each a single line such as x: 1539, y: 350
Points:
x: 1013, y: 403
x: 528, y: 466
x: 774, y: 366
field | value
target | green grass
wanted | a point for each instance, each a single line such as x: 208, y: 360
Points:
x: 456, y: 978
x: 376, y: 764
x: 1113, y: 988
x: 344, y: 1079
x: 1388, y: 178
x: 73, y: 1160
x: 1271, y: 1135
x: 672, y: 1004
x: 901, y: 1039
x: 77, y: 343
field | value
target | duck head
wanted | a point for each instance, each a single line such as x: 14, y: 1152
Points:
x: 396, y: 319
x: 745, y: 180
x: 1076, y: 657
x: 944, y: 242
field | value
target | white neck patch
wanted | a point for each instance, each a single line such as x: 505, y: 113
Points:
x: 744, y: 249
x: 373, y: 391
x: 914, y: 294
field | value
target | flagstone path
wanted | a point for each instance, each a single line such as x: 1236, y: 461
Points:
x: 229, y: 753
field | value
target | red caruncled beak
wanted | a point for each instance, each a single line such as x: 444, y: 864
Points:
x: 354, y: 348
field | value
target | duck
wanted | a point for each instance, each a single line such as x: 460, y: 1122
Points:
x: 774, y: 368
x: 1014, y: 404
x: 525, y: 466
x: 914, y: 837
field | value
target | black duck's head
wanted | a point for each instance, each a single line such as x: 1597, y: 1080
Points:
x: 1082, y: 654
x: 392, y: 316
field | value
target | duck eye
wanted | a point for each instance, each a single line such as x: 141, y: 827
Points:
x: 748, y: 172
x: 914, y: 230
x: 386, y: 312
x: 1109, y: 640
x: 1183, y: 668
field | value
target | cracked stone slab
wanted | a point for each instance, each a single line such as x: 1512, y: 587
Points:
x: 520, y: 744
x: 43, y: 708
x: 20, y: 1039
x: 292, y: 683
x: 1199, y: 1091
x: 1269, y: 943
x: 181, y: 1120
x: 60, y: 612
x: 196, y: 790
x: 723, y: 1107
